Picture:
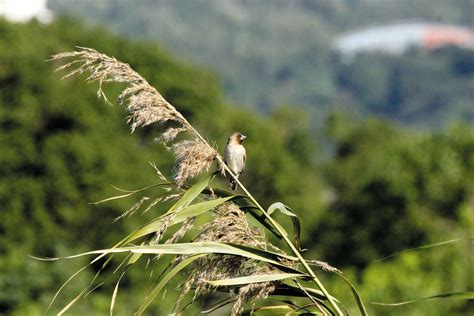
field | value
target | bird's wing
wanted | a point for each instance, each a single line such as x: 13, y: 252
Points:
x: 245, y: 158
x: 226, y: 154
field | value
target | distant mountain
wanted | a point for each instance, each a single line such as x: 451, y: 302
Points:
x: 278, y: 52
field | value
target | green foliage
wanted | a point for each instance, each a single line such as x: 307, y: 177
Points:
x: 395, y: 190
x: 423, y: 89
x: 389, y: 183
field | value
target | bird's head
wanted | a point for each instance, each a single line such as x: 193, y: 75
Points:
x: 237, y: 138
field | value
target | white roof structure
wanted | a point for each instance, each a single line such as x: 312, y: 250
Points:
x: 397, y: 38
x: 25, y: 10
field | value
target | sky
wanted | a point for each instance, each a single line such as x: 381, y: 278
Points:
x: 24, y: 10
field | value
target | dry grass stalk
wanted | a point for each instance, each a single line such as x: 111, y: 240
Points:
x: 192, y: 158
x: 159, y: 174
x: 230, y: 226
x: 152, y: 204
x: 254, y: 291
x: 167, y: 219
x: 133, y: 209
x: 187, y: 225
x: 169, y: 135
x: 325, y: 266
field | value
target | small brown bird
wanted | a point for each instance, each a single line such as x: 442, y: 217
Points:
x: 235, y: 156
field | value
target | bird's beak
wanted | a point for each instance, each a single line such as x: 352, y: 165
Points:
x: 242, y: 137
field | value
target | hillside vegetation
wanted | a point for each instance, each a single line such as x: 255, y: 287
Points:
x: 270, y: 53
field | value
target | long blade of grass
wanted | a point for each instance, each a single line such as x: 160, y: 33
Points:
x: 189, y: 211
x: 272, y: 310
x: 192, y: 210
x: 62, y: 286
x: 294, y: 219
x: 285, y: 290
x: 182, y: 215
x: 255, y: 279
x: 166, y: 278
x: 358, y: 299
x: 84, y: 292
x: 314, y: 302
x: 199, y: 208
x: 71, y: 303
x: 438, y: 244
x: 290, y: 290
x: 219, y: 304
x: 192, y: 193
x: 154, y: 225
x: 468, y: 295
x: 128, y: 194
x: 255, y: 212
x: 114, y: 295
x: 200, y: 248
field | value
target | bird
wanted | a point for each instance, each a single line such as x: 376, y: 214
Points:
x: 235, y: 156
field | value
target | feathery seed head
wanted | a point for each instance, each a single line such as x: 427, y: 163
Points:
x: 144, y: 102
x: 230, y: 226
x: 145, y: 105
x: 192, y: 158
x: 169, y: 135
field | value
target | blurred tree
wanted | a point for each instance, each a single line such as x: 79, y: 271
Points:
x: 397, y: 189
x: 425, y: 89
x: 388, y: 184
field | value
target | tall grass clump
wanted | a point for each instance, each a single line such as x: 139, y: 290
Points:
x: 226, y: 254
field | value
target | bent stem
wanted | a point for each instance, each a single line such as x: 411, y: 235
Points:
x: 274, y: 224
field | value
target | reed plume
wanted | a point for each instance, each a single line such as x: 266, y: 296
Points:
x: 145, y: 105
x: 230, y: 226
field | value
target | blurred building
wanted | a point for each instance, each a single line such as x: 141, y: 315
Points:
x: 398, y: 38
x: 25, y: 10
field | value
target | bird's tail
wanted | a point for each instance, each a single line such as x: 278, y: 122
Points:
x: 232, y: 184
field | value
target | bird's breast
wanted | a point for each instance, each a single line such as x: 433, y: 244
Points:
x: 234, y: 156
